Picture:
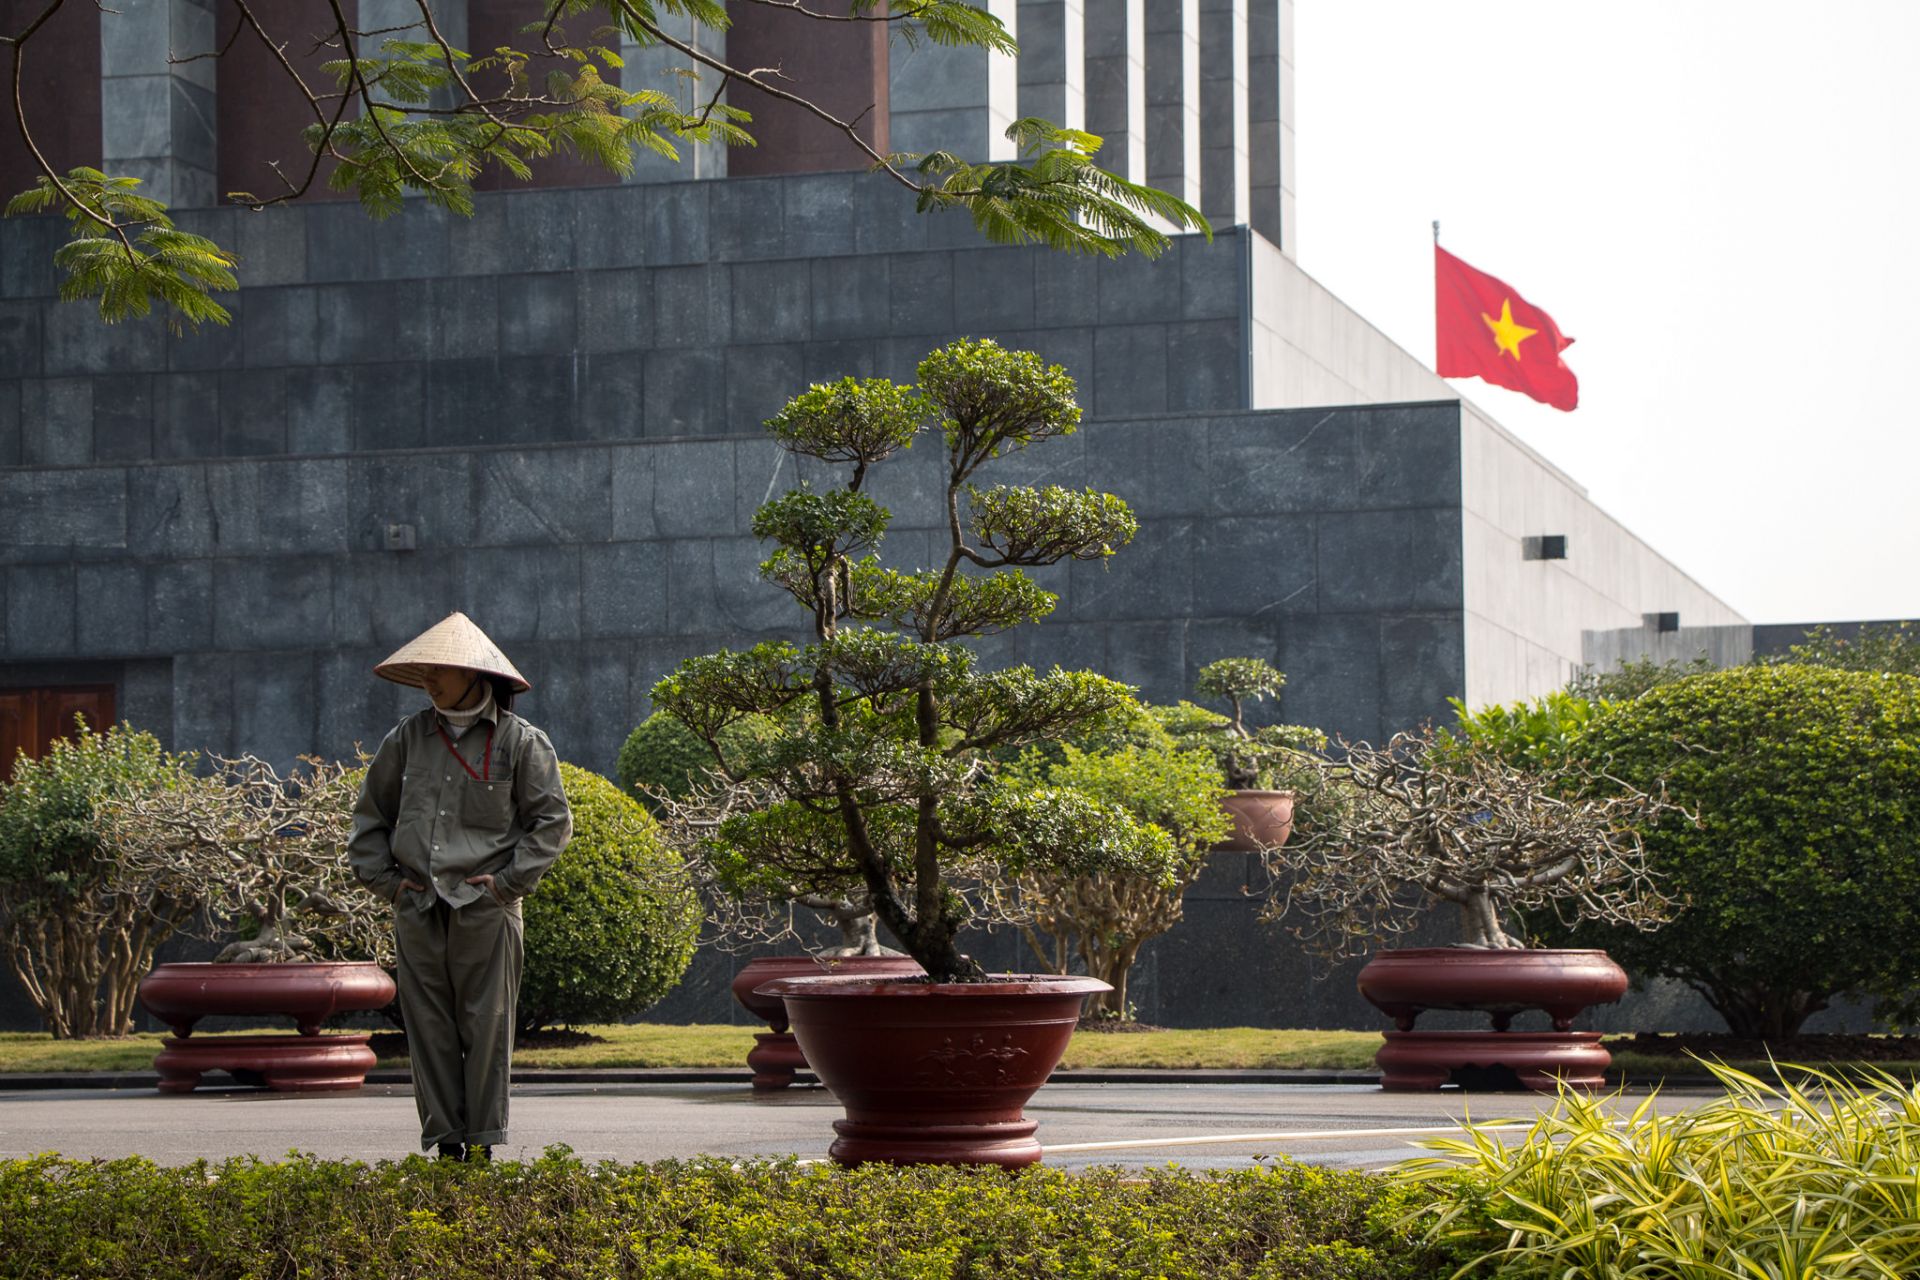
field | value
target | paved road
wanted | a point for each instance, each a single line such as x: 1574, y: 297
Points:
x: 1343, y: 1125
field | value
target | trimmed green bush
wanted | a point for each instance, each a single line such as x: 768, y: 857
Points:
x: 611, y: 928
x: 705, y: 1220
x: 665, y: 755
x: 1802, y: 878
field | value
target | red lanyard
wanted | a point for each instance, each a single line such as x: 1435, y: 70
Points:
x: 486, y: 758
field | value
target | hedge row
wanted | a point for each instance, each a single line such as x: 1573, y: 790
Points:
x: 705, y: 1220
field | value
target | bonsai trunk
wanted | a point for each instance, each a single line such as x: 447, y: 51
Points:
x: 1480, y: 921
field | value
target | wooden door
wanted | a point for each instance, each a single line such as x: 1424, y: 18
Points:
x: 30, y: 719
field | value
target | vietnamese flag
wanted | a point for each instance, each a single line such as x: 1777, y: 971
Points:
x: 1486, y: 330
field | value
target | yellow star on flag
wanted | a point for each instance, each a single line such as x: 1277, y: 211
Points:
x: 1506, y: 334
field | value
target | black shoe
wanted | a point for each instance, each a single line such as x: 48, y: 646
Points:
x: 479, y: 1154
x: 451, y: 1151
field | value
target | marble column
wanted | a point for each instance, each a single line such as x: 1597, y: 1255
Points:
x: 1117, y: 84
x: 1053, y: 61
x: 157, y: 117
x: 1270, y: 113
x: 1173, y: 97
x: 955, y: 99
x: 1224, y: 197
x: 661, y: 67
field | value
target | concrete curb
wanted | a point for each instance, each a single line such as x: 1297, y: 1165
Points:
x: 30, y: 1080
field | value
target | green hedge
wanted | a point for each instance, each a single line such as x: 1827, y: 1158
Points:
x: 612, y: 926
x: 709, y: 1220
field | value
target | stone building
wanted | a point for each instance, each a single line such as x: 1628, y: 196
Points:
x: 548, y: 415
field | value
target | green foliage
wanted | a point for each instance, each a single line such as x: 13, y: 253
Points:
x: 1541, y: 734
x: 1239, y: 679
x: 881, y: 787
x: 1892, y: 648
x: 612, y: 927
x: 51, y: 854
x: 664, y: 756
x: 559, y: 1217
x: 125, y: 251
x: 77, y: 946
x: 1769, y: 1181
x: 1176, y: 790
x: 1631, y: 679
x: 1274, y: 757
x: 1800, y: 878
x: 382, y: 130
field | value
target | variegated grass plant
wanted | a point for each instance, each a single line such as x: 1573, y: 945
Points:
x: 1810, y: 1176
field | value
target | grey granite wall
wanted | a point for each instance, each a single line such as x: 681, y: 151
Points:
x: 618, y: 313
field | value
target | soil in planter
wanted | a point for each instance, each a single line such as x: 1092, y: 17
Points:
x: 1809, y: 1050
x: 393, y: 1044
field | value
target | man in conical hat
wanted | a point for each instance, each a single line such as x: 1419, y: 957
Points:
x: 460, y: 815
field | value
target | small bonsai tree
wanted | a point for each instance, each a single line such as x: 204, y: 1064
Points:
x: 1262, y: 759
x: 882, y: 783
x: 1431, y: 818
x: 261, y: 854
x: 1102, y: 921
x: 76, y: 933
x: 613, y: 926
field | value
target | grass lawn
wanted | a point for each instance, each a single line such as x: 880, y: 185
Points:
x: 651, y: 1045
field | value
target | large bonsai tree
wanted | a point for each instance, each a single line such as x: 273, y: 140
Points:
x: 882, y: 783
x: 1431, y: 818
x: 1801, y: 879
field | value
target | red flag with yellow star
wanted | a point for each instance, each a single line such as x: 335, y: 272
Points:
x: 1486, y: 330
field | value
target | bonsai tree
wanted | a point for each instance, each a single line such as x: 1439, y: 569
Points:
x: 1431, y: 818
x: 1263, y: 759
x: 1800, y: 879
x: 261, y: 854
x: 77, y: 934
x: 612, y: 929
x: 882, y: 783
x: 1102, y: 921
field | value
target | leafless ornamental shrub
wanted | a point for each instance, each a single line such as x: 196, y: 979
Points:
x: 263, y: 853
x: 1430, y: 818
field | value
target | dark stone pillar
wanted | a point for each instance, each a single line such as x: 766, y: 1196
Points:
x: 492, y: 24
x: 62, y: 78
x: 842, y: 66
x: 261, y: 111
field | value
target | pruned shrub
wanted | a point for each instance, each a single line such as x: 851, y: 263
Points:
x: 1800, y: 880
x: 611, y: 928
x: 557, y: 1217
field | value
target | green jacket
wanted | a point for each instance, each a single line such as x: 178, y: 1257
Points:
x: 439, y: 806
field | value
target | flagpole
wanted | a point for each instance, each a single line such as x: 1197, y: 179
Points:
x: 1436, y: 231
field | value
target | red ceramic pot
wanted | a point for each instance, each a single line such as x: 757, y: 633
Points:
x: 1540, y: 1061
x: 1403, y: 984
x: 934, y: 1073
x: 285, y: 1064
x: 776, y: 1055
x: 307, y: 991
x: 769, y: 1009
x: 1261, y: 820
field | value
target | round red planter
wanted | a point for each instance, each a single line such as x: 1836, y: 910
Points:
x: 286, y: 1064
x: 1403, y: 984
x: 776, y: 1055
x: 934, y: 1073
x: 309, y: 992
x: 1539, y: 1060
x: 1261, y: 820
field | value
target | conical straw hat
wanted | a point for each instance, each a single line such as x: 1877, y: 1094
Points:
x: 451, y: 642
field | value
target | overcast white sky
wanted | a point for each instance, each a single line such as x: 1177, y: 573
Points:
x: 1715, y: 198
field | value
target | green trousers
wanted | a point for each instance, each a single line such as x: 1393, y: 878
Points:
x: 459, y: 977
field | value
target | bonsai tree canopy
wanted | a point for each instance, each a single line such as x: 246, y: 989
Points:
x: 261, y: 853
x: 1435, y: 818
x: 1250, y: 759
x: 882, y: 785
